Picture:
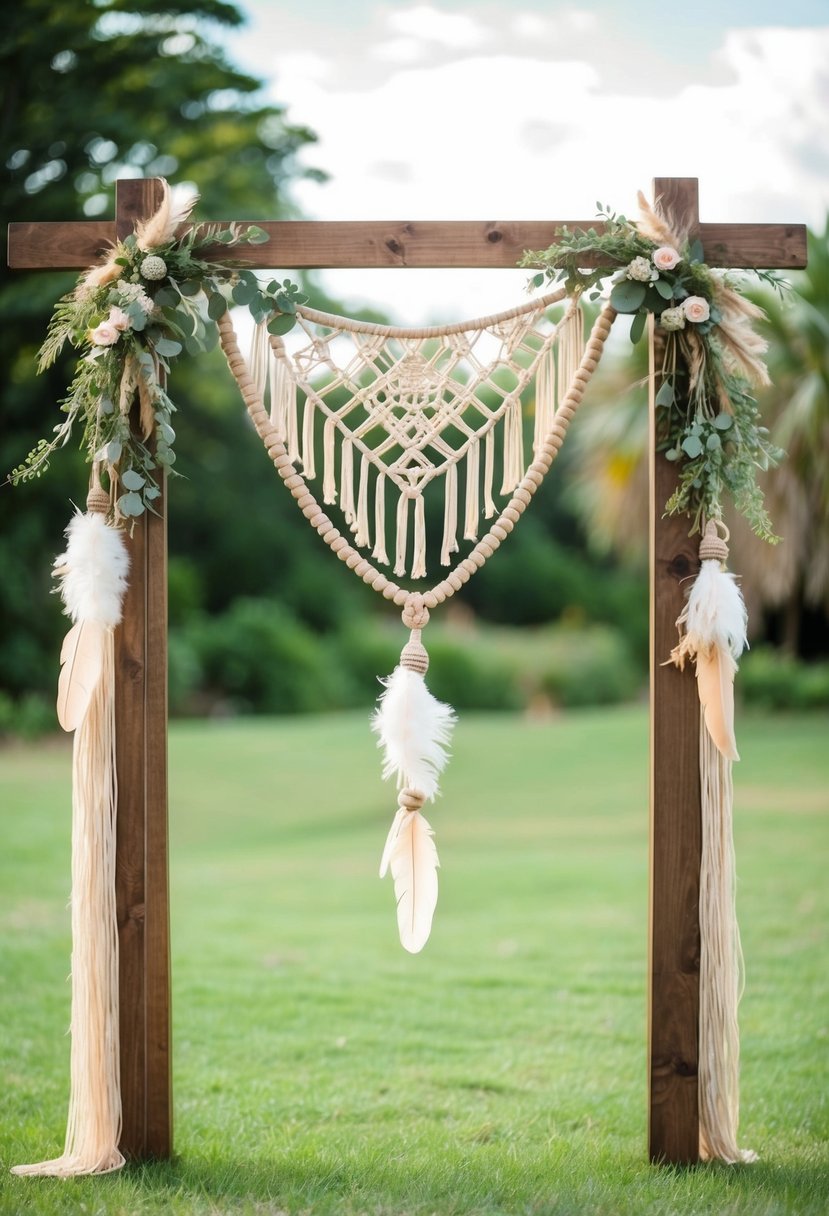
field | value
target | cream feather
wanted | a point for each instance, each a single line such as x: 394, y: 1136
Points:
x: 411, y: 854
x: 82, y: 662
x: 715, y: 684
x: 414, y: 731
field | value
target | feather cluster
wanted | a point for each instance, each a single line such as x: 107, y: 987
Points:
x: 414, y: 730
x: 93, y: 579
x: 713, y: 628
x: 161, y: 228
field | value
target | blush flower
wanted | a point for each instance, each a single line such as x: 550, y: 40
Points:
x: 696, y: 309
x: 665, y: 257
x: 119, y: 319
x: 105, y: 334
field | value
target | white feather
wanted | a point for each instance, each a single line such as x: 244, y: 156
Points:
x: 414, y: 863
x: 715, y: 614
x: 414, y: 731
x: 394, y: 831
x: 93, y: 570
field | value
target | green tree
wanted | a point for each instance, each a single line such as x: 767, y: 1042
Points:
x: 91, y: 92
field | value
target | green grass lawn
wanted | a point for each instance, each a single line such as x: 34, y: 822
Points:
x: 321, y: 1069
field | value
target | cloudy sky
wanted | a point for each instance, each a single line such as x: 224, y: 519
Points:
x: 526, y: 110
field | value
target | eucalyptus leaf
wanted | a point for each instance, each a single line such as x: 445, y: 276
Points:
x: 168, y: 348
x: 131, y: 479
x: 131, y: 504
x: 723, y: 421
x: 664, y: 288
x: 637, y: 327
x: 256, y: 235
x: 165, y: 297
x: 151, y: 493
x: 281, y: 324
x: 628, y: 295
x: 190, y: 287
x: 216, y: 307
x: 696, y: 253
x: 692, y: 446
x: 243, y: 293
x: 284, y: 302
x: 713, y: 442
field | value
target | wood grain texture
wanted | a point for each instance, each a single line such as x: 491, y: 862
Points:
x: 141, y: 881
x: 675, y: 820
x: 306, y: 244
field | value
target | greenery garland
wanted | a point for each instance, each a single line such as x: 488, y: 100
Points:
x: 708, y: 422
x: 131, y: 318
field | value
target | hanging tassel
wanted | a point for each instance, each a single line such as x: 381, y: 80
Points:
x: 402, y: 534
x: 450, y: 515
x: 569, y: 348
x: 93, y: 574
x: 545, y: 404
x: 379, y: 551
x: 347, y: 482
x: 713, y: 633
x: 414, y: 731
x: 308, y: 462
x: 489, y: 472
x: 513, y: 447
x: 361, y: 533
x: 329, y: 479
x: 473, y: 460
x: 419, y: 550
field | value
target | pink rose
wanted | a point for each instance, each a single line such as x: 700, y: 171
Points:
x: 696, y: 309
x: 119, y: 319
x: 105, y: 334
x: 665, y: 258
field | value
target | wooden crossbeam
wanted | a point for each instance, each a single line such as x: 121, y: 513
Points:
x: 309, y: 244
x: 142, y: 878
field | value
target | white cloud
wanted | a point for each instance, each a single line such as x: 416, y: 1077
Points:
x: 504, y: 136
x: 456, y: 30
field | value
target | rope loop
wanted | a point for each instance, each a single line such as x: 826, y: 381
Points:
x: 410, y: 800
x: 415, y: 613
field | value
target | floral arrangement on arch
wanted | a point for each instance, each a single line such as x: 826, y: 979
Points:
x: 712, y: 359
x: 155, y: 295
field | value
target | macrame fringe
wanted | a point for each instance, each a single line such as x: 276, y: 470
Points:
x: 414, y: 732
x: 259, y: 359
x: 450, y: 515
x: 419, y: 553
x: 473, y: 476
x: 513, y: 447
x: 361, y: 532
x: 489, y: 473
x: 329, y: 477
x: 284, y: 406
x: 308, y: 460
x: 545, y: 400
x: 402, y: 534
x: 379, y: 551
x: 569, y: 349
x: 347, y: 482
x: 93, y: 579
x: 713, y: 634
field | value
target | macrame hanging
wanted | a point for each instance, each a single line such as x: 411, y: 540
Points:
x: 394, y: 413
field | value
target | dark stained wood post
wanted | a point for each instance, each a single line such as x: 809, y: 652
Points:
x: 141, y: 877
x: 141, y: 880
x: 675, y: 812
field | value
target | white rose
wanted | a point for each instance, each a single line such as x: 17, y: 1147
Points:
x: 641, y: 270
x: 696, y: 309
x: 666, y: 257
x: 104, y: 334
x: 672, y: 318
